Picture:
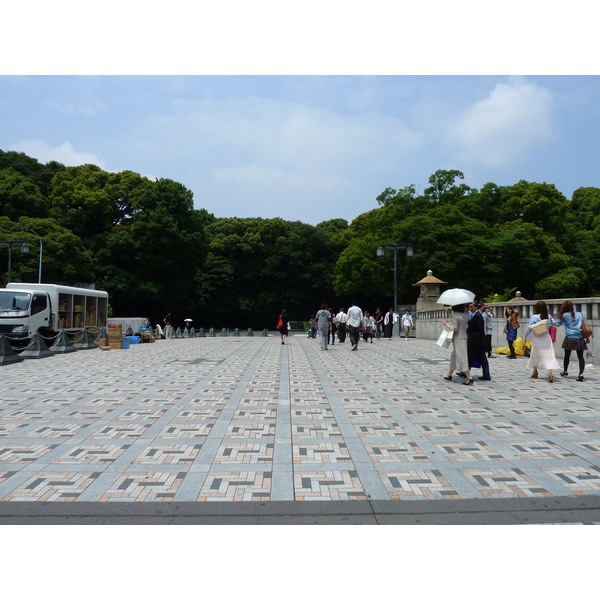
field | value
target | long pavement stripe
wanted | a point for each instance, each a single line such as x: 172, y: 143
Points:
x: 193, y: 482
x: 372, y: 484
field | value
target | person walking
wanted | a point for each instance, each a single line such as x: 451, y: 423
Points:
x: 355, y: 321
x: 323, y: 317
x: 459, y: 359
x: 312, y: 330
x: 168, y: 321
x: 476, y: 342
x: 368, y: 327
x: 510, y: 329
x: 542, y: 350
x: 282, y: 325
x: 574, y: 340
x: 488, y: 315
x: 407, y: 322
x: 333, y: 326
x: 378, y: 322
x: 388, y: 322
x: 342, y: 322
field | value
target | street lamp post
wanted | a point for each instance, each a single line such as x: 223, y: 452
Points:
x: 10, y: 244
x: 395, y: 247
x: 41, y: 251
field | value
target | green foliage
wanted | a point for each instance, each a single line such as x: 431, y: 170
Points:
x: 505, y: 296
x: 146, y: 244
x: 39, y: 174
x: 566, y: 283
x: 20, y: 197
x: 65, y: 258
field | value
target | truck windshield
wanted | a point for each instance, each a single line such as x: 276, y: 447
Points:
x: 14, y: 301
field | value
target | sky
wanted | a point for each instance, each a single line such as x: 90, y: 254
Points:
x: 313, y: 121
x: 309, y: 148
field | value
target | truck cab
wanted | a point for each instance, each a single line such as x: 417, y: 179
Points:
x: 23, y: 312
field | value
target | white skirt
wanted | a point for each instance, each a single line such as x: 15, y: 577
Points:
x: 542, y: 353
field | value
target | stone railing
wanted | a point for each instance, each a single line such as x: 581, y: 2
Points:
x: 429, y: 327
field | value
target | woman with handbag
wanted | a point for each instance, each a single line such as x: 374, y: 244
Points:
x: 574, y: 339
x: 510, y: 329
x: 459, y: 359
x: 282, y: 325
x: 542, y: 350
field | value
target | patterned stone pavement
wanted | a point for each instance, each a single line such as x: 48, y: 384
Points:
x: 247, y: 419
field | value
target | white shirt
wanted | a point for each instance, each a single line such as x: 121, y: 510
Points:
x: 407, y: 320
x: 341, y: 317
x: 355, y: 316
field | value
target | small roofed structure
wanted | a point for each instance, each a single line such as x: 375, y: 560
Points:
x: 430, y: 292
x: 518, y: 298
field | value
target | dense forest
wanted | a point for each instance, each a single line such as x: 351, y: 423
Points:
x: 145, y: 243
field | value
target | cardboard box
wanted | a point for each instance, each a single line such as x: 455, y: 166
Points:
x: 115, y: 329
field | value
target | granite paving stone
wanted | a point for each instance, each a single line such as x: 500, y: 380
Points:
x: 249, y: 420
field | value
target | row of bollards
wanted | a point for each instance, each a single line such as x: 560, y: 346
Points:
x: 192, y: 333
x: 37, y: 347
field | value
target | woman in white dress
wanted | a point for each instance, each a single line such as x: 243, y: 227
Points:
x: 459, y: 359
x: 542, y: 351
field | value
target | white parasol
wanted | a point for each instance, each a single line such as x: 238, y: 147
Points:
x: 456, y: 296
x: 188, y: 320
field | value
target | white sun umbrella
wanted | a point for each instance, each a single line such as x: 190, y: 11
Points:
x: 188, y: 320
x: 456, y: 296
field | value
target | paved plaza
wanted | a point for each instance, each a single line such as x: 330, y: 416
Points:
x: 247, y: 430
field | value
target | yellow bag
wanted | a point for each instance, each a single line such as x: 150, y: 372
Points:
x: 518, y: 346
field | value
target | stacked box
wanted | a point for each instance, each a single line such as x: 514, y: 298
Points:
x: 115, y: 336
x: 146, y: 337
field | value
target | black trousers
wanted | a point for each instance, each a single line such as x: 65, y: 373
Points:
x: 354, y: 335
x: 477, y: 353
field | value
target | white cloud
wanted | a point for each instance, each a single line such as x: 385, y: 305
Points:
x: 512, y: 121
x: 65, y: 153
x: 75, y: 109
x: 275, y: 133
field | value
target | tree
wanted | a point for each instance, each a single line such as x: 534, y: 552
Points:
x: 153, y: 259
x: 65, y: 258
x: 20, y: 197
x: 566, y: 283
x: 41, y: 175
x: 443, y: 188
x: 80, y: 201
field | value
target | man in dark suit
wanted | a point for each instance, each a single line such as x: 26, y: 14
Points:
x: 476, y: 342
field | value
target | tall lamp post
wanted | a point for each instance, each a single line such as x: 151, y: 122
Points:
x: 10, y: 244
x: 395, y: 247
x: 41, y: 251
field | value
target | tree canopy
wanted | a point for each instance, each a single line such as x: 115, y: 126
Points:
x: 146, y: 244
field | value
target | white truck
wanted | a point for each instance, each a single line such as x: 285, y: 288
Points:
x: 26, y: 308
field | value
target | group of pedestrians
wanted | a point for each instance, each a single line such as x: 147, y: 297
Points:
x: 471, y: 340
x: 354, y: 324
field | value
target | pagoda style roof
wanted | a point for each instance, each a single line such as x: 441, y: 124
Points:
x: 519, y: 298
x: 430, y: 279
